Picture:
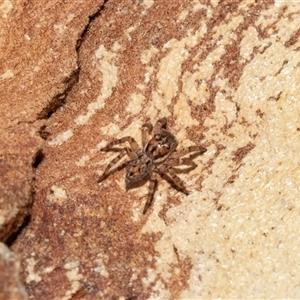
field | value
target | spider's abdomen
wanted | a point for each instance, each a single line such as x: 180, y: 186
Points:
x: 138, y: 169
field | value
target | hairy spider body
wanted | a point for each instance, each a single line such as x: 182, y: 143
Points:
x: 161, y: 145
x: 138, y: 168
x: 158, y: 156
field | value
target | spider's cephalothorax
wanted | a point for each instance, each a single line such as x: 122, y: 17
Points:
x: 161, y: 145
x: 158, y: 156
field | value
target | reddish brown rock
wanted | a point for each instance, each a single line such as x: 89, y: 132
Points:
x: 11, y: 286
x: 39, y: 61
x: 38, y: 66
x: 207, y: 67
x: 15, y: 193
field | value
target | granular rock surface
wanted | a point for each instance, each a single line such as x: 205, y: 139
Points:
x: 38, y: 65
x: 225, y: 75
x: 11, y: 286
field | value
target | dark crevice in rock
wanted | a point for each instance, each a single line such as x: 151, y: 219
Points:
x: 55, y: 104
x: 60, y: 99
x: 87, y: 27
x: 12, y: 238
x: 44, y: 133
x: 38, y: 158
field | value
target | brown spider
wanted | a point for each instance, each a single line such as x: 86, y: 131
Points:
x: 158, y: 156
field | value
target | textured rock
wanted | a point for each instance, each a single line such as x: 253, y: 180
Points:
x: 11, y: 286
x: 39, y: 58
x: 15, y: 194
x: 38, y: 65
x: 225, y: 75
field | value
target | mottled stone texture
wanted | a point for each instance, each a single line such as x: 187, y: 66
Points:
x: 15, y: 193
x: 11, y: 286
x: 225, y: 74
x: 38, y: 41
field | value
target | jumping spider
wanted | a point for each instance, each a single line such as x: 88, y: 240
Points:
x: 158, y: 156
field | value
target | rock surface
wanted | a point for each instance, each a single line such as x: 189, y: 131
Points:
x: 225, y: 74
x: 38, y: 64
x: 11, y: 286
x: 15, y: 193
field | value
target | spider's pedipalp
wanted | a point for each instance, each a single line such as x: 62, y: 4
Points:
x: 161, y: 123
x: 146, y: 130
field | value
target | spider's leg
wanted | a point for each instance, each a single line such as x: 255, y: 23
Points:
x: 190, y: 149
x: 165, y: 171
x: 146, y: 130
x: 107, y: 172
x: 187, y: 161
x: 161, y: 123
x: 176, y: 158
x: 152, y: 188
x: 133, y: 144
